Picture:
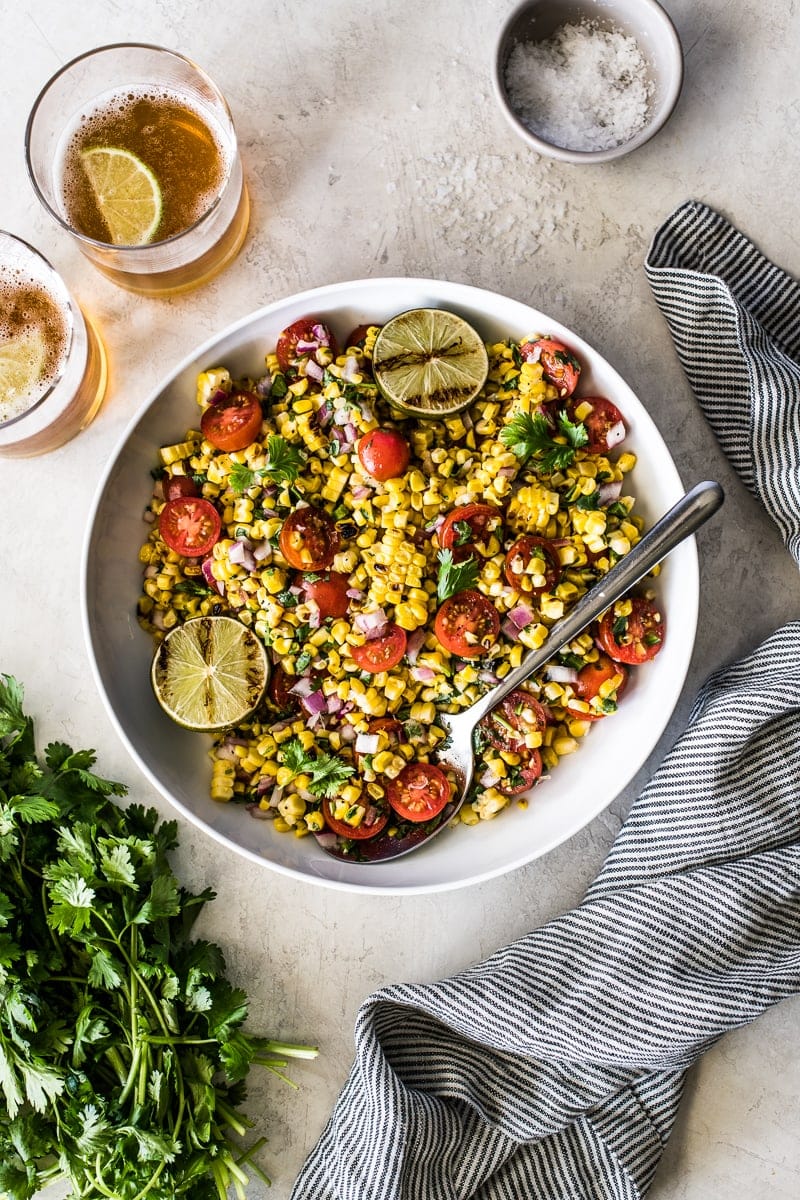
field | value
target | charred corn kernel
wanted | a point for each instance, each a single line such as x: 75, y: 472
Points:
x: 626, y: 462
x: 335, y: 485
x: 583, y: 410
x: 223, y: 776
x: 284, y: 776
x: 394, y: 688
x: 208, y: 382
x: 349, y: 795
x: 381, y: 761
x: 564, y: 745
x: 549, y: 758
x: 579, y: 729
x: 609, y: 686
x: 552, y: 608
x: 315, y: 822
x: 299, y: 387
x: 424, y: 713
x: 533, y: 636
x: 280, y: 825
x: 291, y: 807
x: 468, y: 815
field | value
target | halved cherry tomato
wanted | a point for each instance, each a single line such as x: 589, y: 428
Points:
x: 519, y: 557
x: 301, y: 339
x: 388, y: 725
x: 384, y: 453
x: 233, y: 423
x: 517, y: 713
x: 604, y: 417
x: 309, y: 539
x: 634, y: 639
x: 370, y: 826
x: 523, y: 776
x: 590, y: 680
x: 381, y: 653
x: 467, y: 524
x: 329, y: 593
x: 467, y: 624
x: 174, y: 486
x: 559, y: 366
x: 358, y: 336
x: 419, y: 793
x: 278, y: 688
x: 190, y: 525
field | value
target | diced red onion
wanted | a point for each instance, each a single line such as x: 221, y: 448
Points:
x: 260, y: 814
x: 263, y: 785
x: 360, y: 492
x: 321, y: 334
x: 324, y: 414
x: 303, y: 687
x: 367, y: 743
x: 510, y: 630
x: 157, y: 618
x: 534, y: 354
x: 303, y: 346
x: 415, y: 642
x: 488, y: 778
x: 488, y: 677
x: 205, y: 567
x: 350, y: 432
x: 158, y: 489
x: 242, y: 554
x: 295, y: 589
x: 560, y: 674
x: 327, y: 839
x: 315, y: 703
x: 218, y: 396
x: 350, y: 368
x: 423, y: 674
x: 150, y: 571
x: 507, y: 472
x: 276, y: 796
x: 347, y: 733
x: 262, y: 551
x: 521, y: 616
x: 314, y: 370
x: 341, y: 416
x: 149, y: 516
x: 371, y: 624
x: 264, y: 386
x: 354, y: 594
x: 608, y: 492
x: 616, y: 434
x: 334, y: 703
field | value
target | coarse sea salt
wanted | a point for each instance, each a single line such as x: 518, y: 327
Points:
x: 584, y: 88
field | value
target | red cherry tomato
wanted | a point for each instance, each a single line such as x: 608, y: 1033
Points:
x: 358, y: 336
x: 174, y: 486
x: 522, y: 553
x: 190, y: 525
x: 467, y: 624
x: 636, y: 638
x: 309, y: 539
x: 278, y: 688
x: 233, y: 423
x: 599, y: 423
x: 419, y: 793
x: 301, y: 340
x: 517, y: 713
x: 381, y: 653
x: 384, y: 453
x: 590, y: 680
x: 559, y: 366
x: 329, y: 593
x: 523, y: 776
x: 371, y: 824
x: 388, y: 725
x: 467, y: 524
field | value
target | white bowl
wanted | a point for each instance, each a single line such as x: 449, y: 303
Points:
x: 175, y: 761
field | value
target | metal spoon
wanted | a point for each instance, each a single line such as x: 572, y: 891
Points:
x: 457, y: 752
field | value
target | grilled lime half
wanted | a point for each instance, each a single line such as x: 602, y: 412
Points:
x: 210, y: 673
x: 429, y: 362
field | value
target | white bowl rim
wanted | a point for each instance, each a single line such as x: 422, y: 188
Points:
x: 365, y: 879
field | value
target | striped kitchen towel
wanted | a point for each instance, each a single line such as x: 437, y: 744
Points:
x: 553, y: 1070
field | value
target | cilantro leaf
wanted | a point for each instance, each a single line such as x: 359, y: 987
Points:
x: 455, y: 577
x: 328, y: 772
x: 529, y: 434
x: 284, y: 464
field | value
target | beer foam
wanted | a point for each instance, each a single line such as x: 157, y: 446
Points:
x: 34, y: 339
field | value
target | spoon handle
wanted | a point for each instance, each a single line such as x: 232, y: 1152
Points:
x: 690, y: 512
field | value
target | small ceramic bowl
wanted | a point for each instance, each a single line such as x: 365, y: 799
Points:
x: 644, y: 20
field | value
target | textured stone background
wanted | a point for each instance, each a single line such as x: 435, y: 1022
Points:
x: 373, y: 147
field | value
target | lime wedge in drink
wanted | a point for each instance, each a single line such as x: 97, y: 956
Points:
x: 22, y: 363
x: 210, y: 673
x: 429, y: 362
x: 127, y: 194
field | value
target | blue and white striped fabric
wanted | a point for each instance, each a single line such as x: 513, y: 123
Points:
x: 553, y: 1070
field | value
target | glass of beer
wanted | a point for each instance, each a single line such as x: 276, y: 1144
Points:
x: 132, y: 149
x: 52, y: 362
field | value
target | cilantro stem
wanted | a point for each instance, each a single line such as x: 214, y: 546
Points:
x: 152, y: 1181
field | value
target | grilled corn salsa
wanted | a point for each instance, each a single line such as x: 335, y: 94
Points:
x: 397, y: 568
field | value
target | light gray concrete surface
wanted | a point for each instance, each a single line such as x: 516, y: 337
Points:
x: 373, y: 147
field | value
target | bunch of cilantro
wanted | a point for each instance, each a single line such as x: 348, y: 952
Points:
x: 122, y: 1057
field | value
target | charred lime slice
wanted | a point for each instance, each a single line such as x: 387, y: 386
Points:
x: 429, y: 362
x: 210, y: 673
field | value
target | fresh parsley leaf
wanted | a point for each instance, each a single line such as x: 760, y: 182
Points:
x: 455, y: 577
x: 588, y: 503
